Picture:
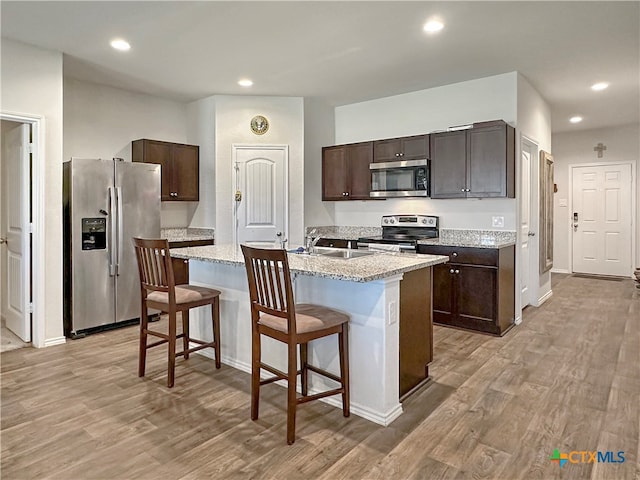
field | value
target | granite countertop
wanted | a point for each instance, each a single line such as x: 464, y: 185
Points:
x: 361, y: 269
x: 186, y: 234
x: 472, y: 238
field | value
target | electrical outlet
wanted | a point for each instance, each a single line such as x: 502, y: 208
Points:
x: 497, y: 222
x: 393, y: 312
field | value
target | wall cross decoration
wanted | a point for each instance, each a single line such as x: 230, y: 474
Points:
x: 600, y: 148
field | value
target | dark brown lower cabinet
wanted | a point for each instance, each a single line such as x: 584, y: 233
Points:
x: 475, y: 290
x: 180, y: 265
x: 416, y: 330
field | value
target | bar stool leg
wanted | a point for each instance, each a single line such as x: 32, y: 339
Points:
x: 304, y: 373
x: 343, y: 346
x: 172, y: 349
x: 185, y: 331
x: 255, y: 376
x: 292, y: 374
x: 215, y: 315
x: 142, y: 355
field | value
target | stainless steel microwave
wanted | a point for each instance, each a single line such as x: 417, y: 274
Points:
x: 407, y: 178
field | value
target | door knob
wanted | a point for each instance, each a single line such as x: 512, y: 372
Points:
x: 3, y: 240
x: 575, y: 227
x: 532, y: 234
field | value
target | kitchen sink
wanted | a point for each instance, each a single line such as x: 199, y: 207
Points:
x: 346, y: 253
x: 343, y: 253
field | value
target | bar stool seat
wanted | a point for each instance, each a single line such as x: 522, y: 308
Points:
x: 158, y: 290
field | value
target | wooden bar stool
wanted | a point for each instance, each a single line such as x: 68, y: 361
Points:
x: 274, y: 314
x: 158, y: 290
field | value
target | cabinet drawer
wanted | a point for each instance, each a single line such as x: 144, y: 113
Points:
x: 468, y: 255
x: 190, y: 243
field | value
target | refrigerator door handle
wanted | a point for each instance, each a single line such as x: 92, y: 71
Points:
x: 120, y: 226
x: 112, y: 231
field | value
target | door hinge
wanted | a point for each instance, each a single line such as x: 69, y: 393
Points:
x: 30, y: 227
x: 30, y: 307
x: 31, y: 148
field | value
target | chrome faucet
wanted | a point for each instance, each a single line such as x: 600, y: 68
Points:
x: 311, y: 241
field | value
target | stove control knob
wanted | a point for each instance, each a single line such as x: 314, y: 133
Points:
x: 386, y: 220
x: 424, y: 220
x: 393, y: 220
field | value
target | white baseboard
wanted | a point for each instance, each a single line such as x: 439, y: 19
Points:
x: 335, y: 401
x: 545, y: 297
x: 50, y: 342
x: 559, y: 270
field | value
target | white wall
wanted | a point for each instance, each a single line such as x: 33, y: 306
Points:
x: 490, y: 98
x: 226, y: 119
x: 102, y: 121
x: 32, y: 84
x: 577, y: 147
x: 319, y: 131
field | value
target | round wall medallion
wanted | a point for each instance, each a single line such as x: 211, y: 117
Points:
x: 259, y: 125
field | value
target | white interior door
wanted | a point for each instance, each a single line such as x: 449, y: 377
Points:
x: 601, y: 219
x: 525, y: 226
x: 16, y: 205
x: 261, y: 202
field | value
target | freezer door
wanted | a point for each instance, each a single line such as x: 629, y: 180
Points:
x: 93, y: 288
x: 138, y: 200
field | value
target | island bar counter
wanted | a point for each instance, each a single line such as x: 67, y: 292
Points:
x: 386, y: 313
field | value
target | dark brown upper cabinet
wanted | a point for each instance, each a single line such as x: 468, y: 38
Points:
x: 180, y: 167
x: 474, y: 163
x: 345, y: 171
x: 405, y: 148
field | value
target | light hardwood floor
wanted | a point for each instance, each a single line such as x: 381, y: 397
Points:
x: 567, y: 378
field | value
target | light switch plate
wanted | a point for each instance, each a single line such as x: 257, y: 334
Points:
x: 497, y: 221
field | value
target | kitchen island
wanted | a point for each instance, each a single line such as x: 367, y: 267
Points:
x: 388, y: 297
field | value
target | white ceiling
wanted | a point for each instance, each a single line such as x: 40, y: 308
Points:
x: 348, y: 51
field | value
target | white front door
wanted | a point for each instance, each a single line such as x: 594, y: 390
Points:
x: 16, y: 212
x: 601, y: 219
x: 261, y: 193
x: 525, y: 225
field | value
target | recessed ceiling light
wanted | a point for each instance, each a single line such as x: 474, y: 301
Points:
x: 120, y: 44
x: 433, y: 26
x: 599, y: 86
x: 576, y: 119
x: 245, y: 82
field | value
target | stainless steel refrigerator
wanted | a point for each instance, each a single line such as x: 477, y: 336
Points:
x: 106, y: 203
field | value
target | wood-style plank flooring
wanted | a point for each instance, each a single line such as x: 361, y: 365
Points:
x: 567, y: 378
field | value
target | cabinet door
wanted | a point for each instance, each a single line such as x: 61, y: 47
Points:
x: 415, y: 148
x: 160, y: 152
x: 448, y: 165
x: 476, y: 297
x: 186, y: 172
x: 387, y: 150
x: 334, y: 173
x: 360, y: 156
x: 487, y: 171
x: 443, y: 293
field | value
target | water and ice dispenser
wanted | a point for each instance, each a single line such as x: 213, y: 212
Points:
x: 94, y: 233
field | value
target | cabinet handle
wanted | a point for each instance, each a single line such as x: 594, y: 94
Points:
x: 457, y: 271
x: 467, y: 189
x: 346, y: 194
x: 454, y: 254
x: 462, y: 189
x: 452, y: 271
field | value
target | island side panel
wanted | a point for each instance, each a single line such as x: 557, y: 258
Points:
x: 373, y: 339
x: 416, y: 329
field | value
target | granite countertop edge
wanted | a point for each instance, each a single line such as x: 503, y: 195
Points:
x: 353, y: 270
x: 469, y: 244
